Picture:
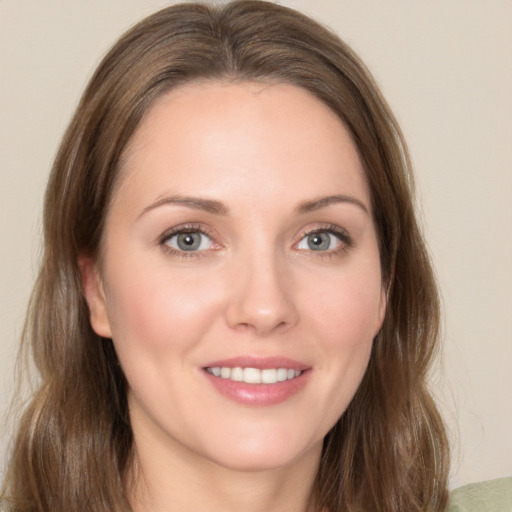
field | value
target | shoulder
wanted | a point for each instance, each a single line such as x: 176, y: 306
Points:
x: 489, y: 496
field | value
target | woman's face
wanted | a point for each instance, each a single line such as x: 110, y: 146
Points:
x: 239, y: 247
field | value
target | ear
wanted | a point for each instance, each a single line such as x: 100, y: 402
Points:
x: 95, y: 296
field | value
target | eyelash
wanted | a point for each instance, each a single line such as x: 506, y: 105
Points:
x: 346, y: 241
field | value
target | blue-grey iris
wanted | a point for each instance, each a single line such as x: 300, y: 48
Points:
x: 319, y: 241
x: 189, y: 241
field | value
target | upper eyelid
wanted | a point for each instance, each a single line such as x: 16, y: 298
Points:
x: 184, y: 228
x: 323, y: 228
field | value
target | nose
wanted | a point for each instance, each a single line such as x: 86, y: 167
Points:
x: 261, y: 296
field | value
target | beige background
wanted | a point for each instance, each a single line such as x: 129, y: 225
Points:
x: 445, y: 67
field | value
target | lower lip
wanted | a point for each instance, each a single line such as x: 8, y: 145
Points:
x: 259, y: 394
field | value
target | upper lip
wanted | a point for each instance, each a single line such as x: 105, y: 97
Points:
x: 261, y: 363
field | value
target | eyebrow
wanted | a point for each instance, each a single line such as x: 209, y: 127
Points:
x: 322, y: 202
x: 219, y: 208
x: 196, y: 203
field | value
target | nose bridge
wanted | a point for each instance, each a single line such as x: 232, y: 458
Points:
x: 261, y: 294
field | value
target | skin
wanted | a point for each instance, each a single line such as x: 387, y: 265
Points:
x: 255, y: 287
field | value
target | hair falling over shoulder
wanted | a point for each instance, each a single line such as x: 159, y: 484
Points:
x: 388, y: 452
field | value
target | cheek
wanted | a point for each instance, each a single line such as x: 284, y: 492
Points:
x: 158, y: 320
x: 347, y: 309
x: 348, y: 328
x: 159, y: 310
x: 345, y: 317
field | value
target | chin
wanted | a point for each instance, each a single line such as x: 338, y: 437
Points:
x: 262, y: 454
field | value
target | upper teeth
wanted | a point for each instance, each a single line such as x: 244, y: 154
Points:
x: 254, y: 375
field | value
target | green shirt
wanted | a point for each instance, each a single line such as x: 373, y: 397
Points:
x: 490, y: 496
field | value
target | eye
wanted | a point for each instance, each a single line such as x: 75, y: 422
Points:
x: 188, y: 241
x: 324, y: 240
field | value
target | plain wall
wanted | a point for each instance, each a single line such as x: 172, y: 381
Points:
x: 445, y: 67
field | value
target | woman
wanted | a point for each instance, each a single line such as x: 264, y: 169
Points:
x: 235, y: 307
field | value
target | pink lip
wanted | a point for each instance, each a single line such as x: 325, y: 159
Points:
x: 259, y: 394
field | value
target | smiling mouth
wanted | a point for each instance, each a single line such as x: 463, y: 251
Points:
x: 254, y: 375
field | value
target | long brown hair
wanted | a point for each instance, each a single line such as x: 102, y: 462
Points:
x: 388, y: 451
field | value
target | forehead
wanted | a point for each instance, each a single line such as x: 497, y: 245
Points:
x: 259, y: 138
